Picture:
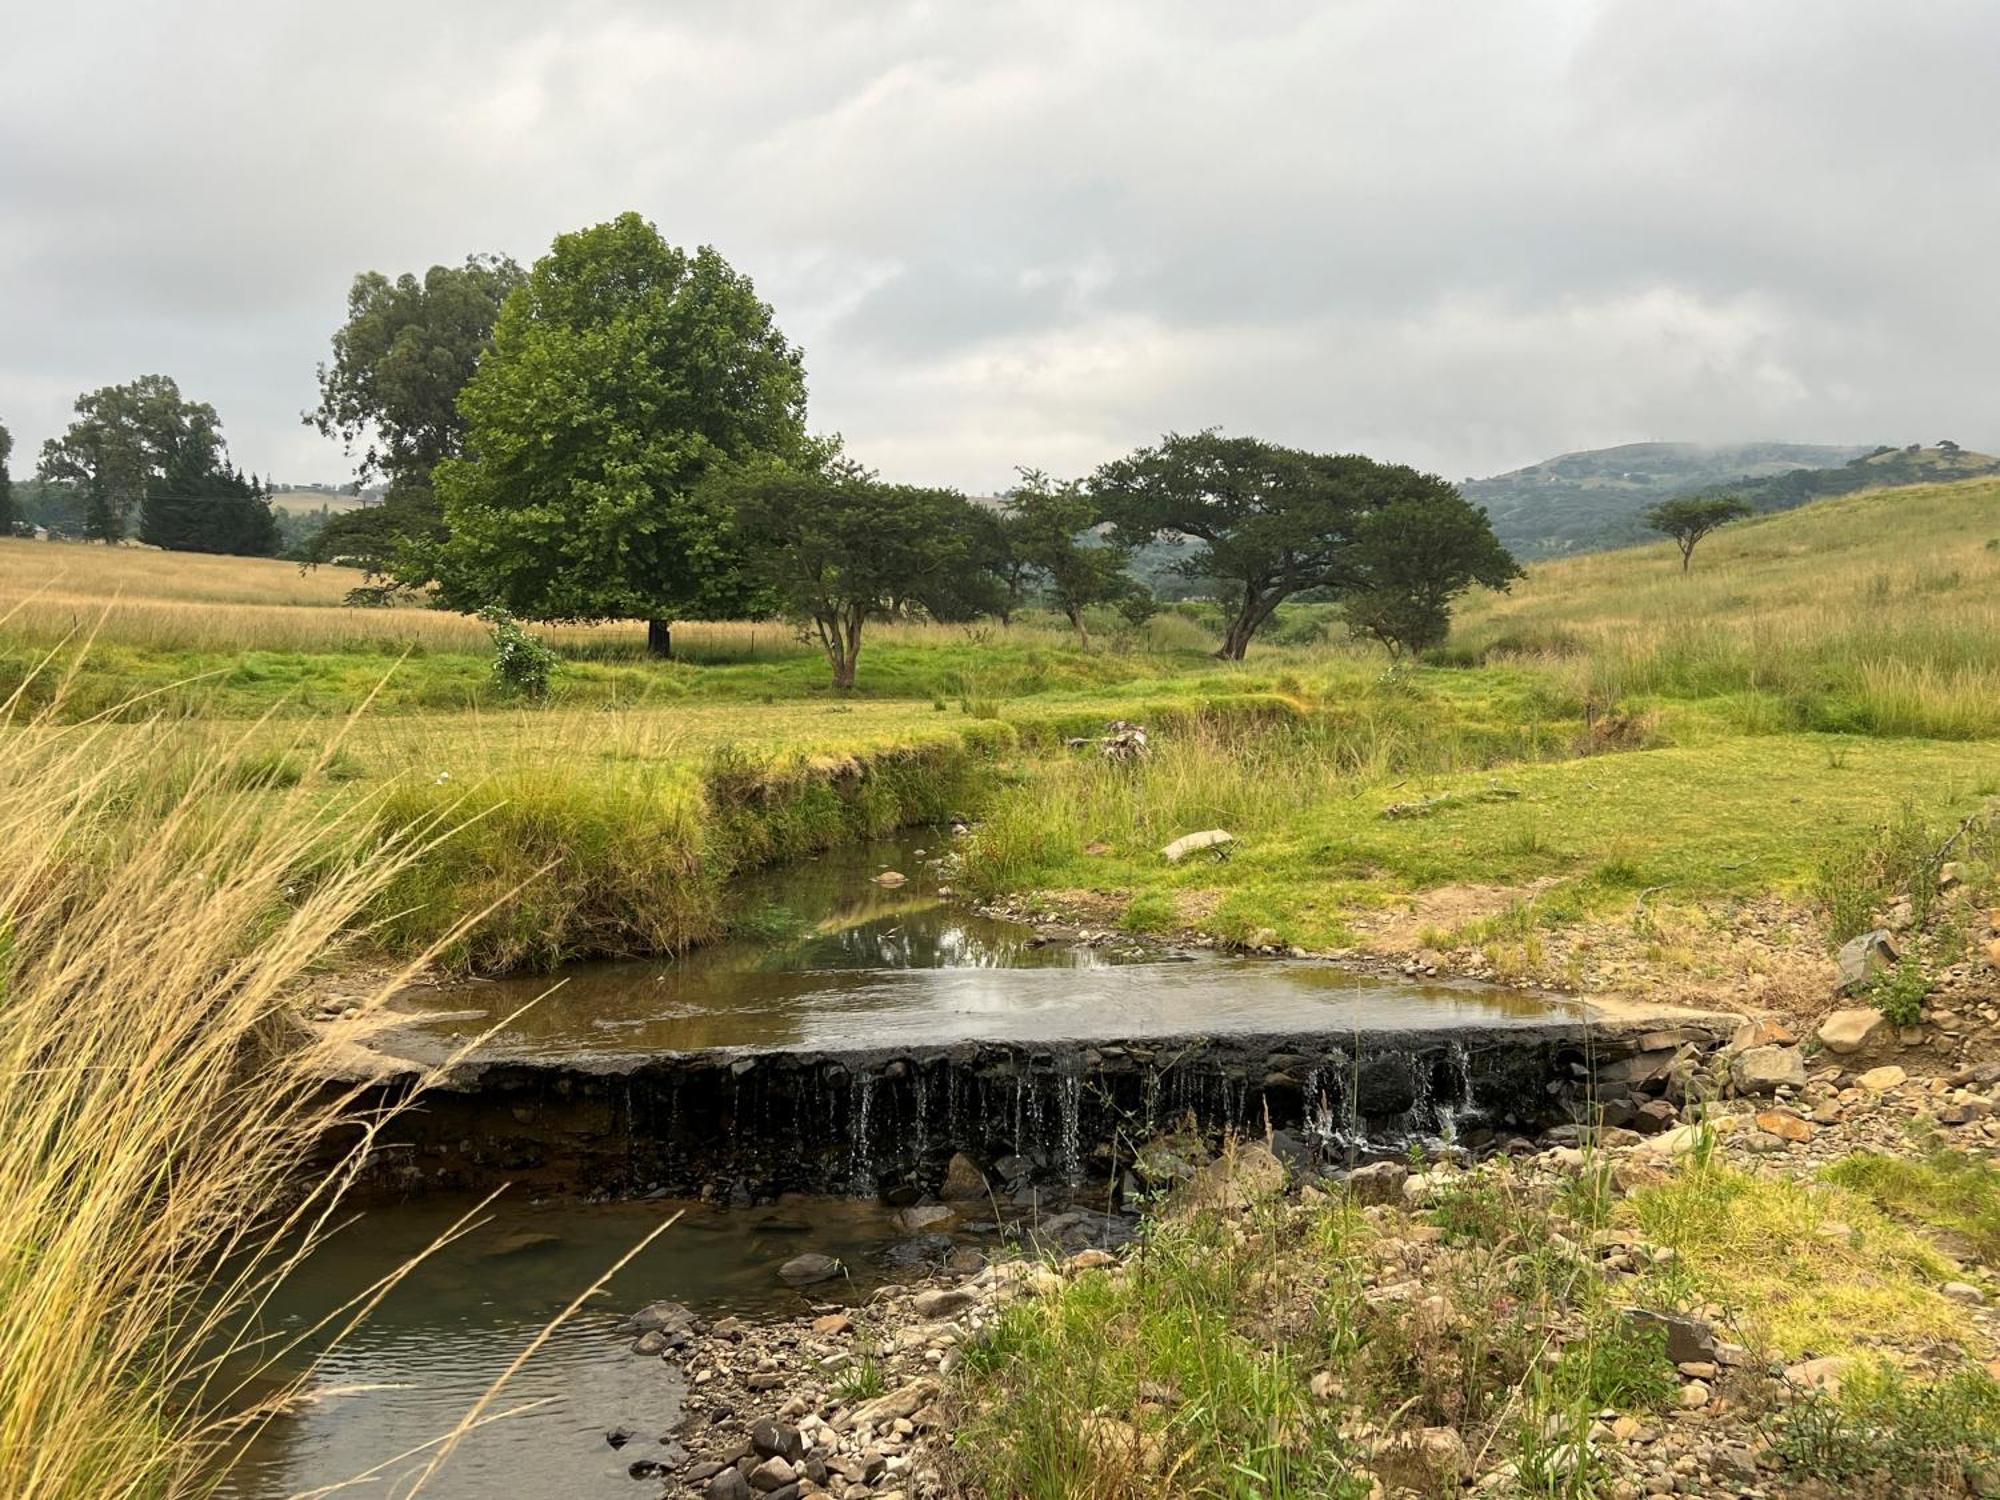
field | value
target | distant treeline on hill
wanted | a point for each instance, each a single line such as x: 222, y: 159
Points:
x: 1884, y: 468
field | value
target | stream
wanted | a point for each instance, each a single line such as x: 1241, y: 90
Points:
x: 829, y: 960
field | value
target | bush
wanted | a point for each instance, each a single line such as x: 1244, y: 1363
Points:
x: 1884, y: 1424
x: 522, y: 663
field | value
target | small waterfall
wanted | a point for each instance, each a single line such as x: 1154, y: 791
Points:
x: 861, y: 1165
x: 1069, y: 1136
x: 922, y: 1121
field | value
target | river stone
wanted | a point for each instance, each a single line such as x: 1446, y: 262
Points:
x: 921, y: 1217
x: 1880, y: 1080
x: 664, y: 1317
x: 1763, y: 1070
x: 1231, y: 1182
x: 1688, y: 1339
x: 890, y: 879
x: 1194, y: 843
x: 1378, y: 1182
x: 942, y: 1302
x: 1385, y: 1085
x: 773, y: 1473
x: 804, y: 1270
x: 1861, y: 958
x: 771, y: 1438
x: 1854, y: 1029
x: 963, y: 1180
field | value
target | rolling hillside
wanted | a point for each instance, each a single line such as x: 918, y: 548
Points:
x: 1587, y: 501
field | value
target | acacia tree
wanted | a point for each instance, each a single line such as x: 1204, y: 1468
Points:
x: 1693, y: 517
x: 399, y: 362
x: 1047, y: 522
x: 1273, y: 521
x: 1413, y: 557
x: 832, y: 546
x: 117, y: 447
x: 624, y: 372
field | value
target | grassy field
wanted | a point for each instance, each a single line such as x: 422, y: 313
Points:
x: 215, y: 778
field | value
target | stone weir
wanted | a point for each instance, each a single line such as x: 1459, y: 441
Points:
x: 743, y: 1124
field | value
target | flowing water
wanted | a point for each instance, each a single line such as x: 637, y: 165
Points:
x: 831, y: 959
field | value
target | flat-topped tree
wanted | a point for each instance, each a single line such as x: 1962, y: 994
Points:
x: 1047, y: 524
x: 1693, y: 517
x: 623, y: 374
x: 831, y: 547
x: 1272, y: 521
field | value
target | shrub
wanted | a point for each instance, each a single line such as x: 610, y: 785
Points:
x: 522, y: 663
x: 1884, y: 1424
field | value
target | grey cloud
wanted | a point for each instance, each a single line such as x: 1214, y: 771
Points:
x: 1040, y: 232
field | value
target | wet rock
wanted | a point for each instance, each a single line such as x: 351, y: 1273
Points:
x: 1384, y: 1085
x: 963, y: 1181
x: 916, y: 1219
x: 1763, y: 1070
x: 890, y: 879
x: 807, y: 1269
x: 922, y: 1249
x: 618, y: 1437
x: 667, y: 1317
x: 1854, y: 1029
x: 1861, y: 958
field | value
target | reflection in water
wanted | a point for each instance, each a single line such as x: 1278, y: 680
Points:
x: 438, y: 1340
x: 841, y: 962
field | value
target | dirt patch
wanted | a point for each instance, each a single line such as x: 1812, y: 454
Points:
x: 1442, y: 910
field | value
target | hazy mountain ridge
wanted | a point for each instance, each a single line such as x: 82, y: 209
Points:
x: 1592, y: 499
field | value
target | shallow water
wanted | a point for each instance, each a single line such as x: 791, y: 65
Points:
x: 440, y: 1337
x: 836, y: 961
x: 850, y: 964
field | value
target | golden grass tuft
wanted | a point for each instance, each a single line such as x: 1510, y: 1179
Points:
x: 157, y: 1095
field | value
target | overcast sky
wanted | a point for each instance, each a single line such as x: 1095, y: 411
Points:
x: 1460, y: 235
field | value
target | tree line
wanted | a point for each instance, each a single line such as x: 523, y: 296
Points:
x: 620, y: 432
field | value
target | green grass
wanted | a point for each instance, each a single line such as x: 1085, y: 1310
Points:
x: 1723, y: 816
x: 1951, y: 1193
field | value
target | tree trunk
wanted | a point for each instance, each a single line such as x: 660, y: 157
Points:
x: 660, y: 639
x: 1082, y: 631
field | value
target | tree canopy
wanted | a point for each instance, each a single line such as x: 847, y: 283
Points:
x: 1690, y: 519
x: 832, y: 546
x: 1047, y: 523
x: 1273, y: 521
x: 201, y: 502
x: 399, y: 362
x: 1413, y: 557
x: 118, y: 445
x: 623, y: 373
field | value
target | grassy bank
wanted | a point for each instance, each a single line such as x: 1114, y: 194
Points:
x: 1311, y: 1346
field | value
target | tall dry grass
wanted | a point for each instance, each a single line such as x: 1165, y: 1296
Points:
x: 157, y: 1098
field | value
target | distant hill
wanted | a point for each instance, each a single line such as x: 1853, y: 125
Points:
x: 1878, y: 469
x: 1585, y: 502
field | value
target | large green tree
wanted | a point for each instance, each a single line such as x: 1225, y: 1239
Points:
x: 201, y: 502
x: 831, y: 547
x: 407, y: 349
x: 624, y: 373
x: 1412, y: 558
x: 6, y: 483
x: 1048, y: 526
x: 118, y: 445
